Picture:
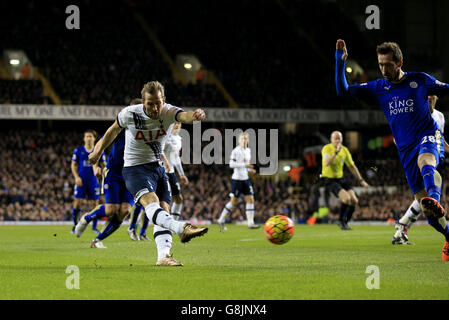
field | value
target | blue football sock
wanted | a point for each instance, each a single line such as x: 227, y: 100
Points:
x: 428, y: 173
x: 145, y: 223
x: 97, y: 213
x: 94, y: 224
x: 433, y: 221
x: 75, y: 213
x: 113, y: 224
x: 134, y: 217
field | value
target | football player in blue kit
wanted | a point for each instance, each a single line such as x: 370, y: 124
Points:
x: 86, y: 182
x: 118, y: 199
x: 403, y: 99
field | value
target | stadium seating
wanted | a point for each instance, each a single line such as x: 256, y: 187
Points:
x: 106, y: 62
x: 22, y: 91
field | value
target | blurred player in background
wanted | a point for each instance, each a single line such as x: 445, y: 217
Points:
x: 334, y: 157
x: 241, y: 184
x: 414, y: 211
x: 403, y: 97
x: 146, y: 125
x: 172, y: 149
x: 86, y: 181
x: 137, y: 214
x: 118, y: 198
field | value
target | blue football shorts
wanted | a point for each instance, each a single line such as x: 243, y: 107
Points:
x: 433, y: 144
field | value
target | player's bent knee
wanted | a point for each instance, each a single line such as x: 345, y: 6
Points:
x: 148, y: 198
x: 425, y: 159
x: 164, y: 205
x: 77, y: 203
x: 344, y: 197
x: 111, y: 209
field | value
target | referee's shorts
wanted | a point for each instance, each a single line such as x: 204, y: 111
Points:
x: 334, y: 185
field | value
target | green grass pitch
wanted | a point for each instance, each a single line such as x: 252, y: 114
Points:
x: 320, y: 262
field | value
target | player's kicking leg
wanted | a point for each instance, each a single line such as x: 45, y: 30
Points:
x: 430, y: 198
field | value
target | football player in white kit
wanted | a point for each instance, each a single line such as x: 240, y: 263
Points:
x: 241, y: 184
x: 146, y: 126
x: 414, y: 211
x: 173, y: 145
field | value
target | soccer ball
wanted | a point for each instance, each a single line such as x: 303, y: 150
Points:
x: 279, y: 229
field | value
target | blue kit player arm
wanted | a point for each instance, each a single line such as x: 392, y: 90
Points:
x: 435, y: 87
x: 362, y: 91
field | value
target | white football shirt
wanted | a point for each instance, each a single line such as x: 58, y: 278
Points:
x: 173, y: 146
x: 240, y: 157
x: 439, y: 119
x: 144, y: 135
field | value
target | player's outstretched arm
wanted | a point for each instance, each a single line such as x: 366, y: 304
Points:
x: 104, y: 142
x: 341, y: 55
x: 189, y: 116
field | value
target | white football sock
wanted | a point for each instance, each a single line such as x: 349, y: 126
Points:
x: 250, y: 213
x: 176, y: 210
x: 163, y: 239
x: 412, y: 214
x: 163, y: 219
x: 227, y: 209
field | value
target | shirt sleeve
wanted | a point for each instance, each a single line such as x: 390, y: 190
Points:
x: 234, y: 163
x: 362, y: 91
x: 173, y: 112
x: 75, y: 157
x: 348, y: 158
x: 122, y: 118
x: 325, y: 152
x: 434, y: 86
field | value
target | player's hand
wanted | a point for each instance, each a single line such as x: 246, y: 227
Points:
x: 167, y: 166
x: 364, y: 184
x: 94, y: 157
x: 249, y: 166
x: 252, y: 171
x: 78, y: 182
x: 341, y: 45
x: 97, y: 171
x: 184, y: 179
x: 199, y: 115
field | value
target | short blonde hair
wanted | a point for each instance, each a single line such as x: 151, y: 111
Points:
x: 152, y: 87
x: 243, y: 134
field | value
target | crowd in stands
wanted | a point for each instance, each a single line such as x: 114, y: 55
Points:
x: 37, y: 184
x: 22, y: 91
x: 105, y: 62
x: 286, y: 61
